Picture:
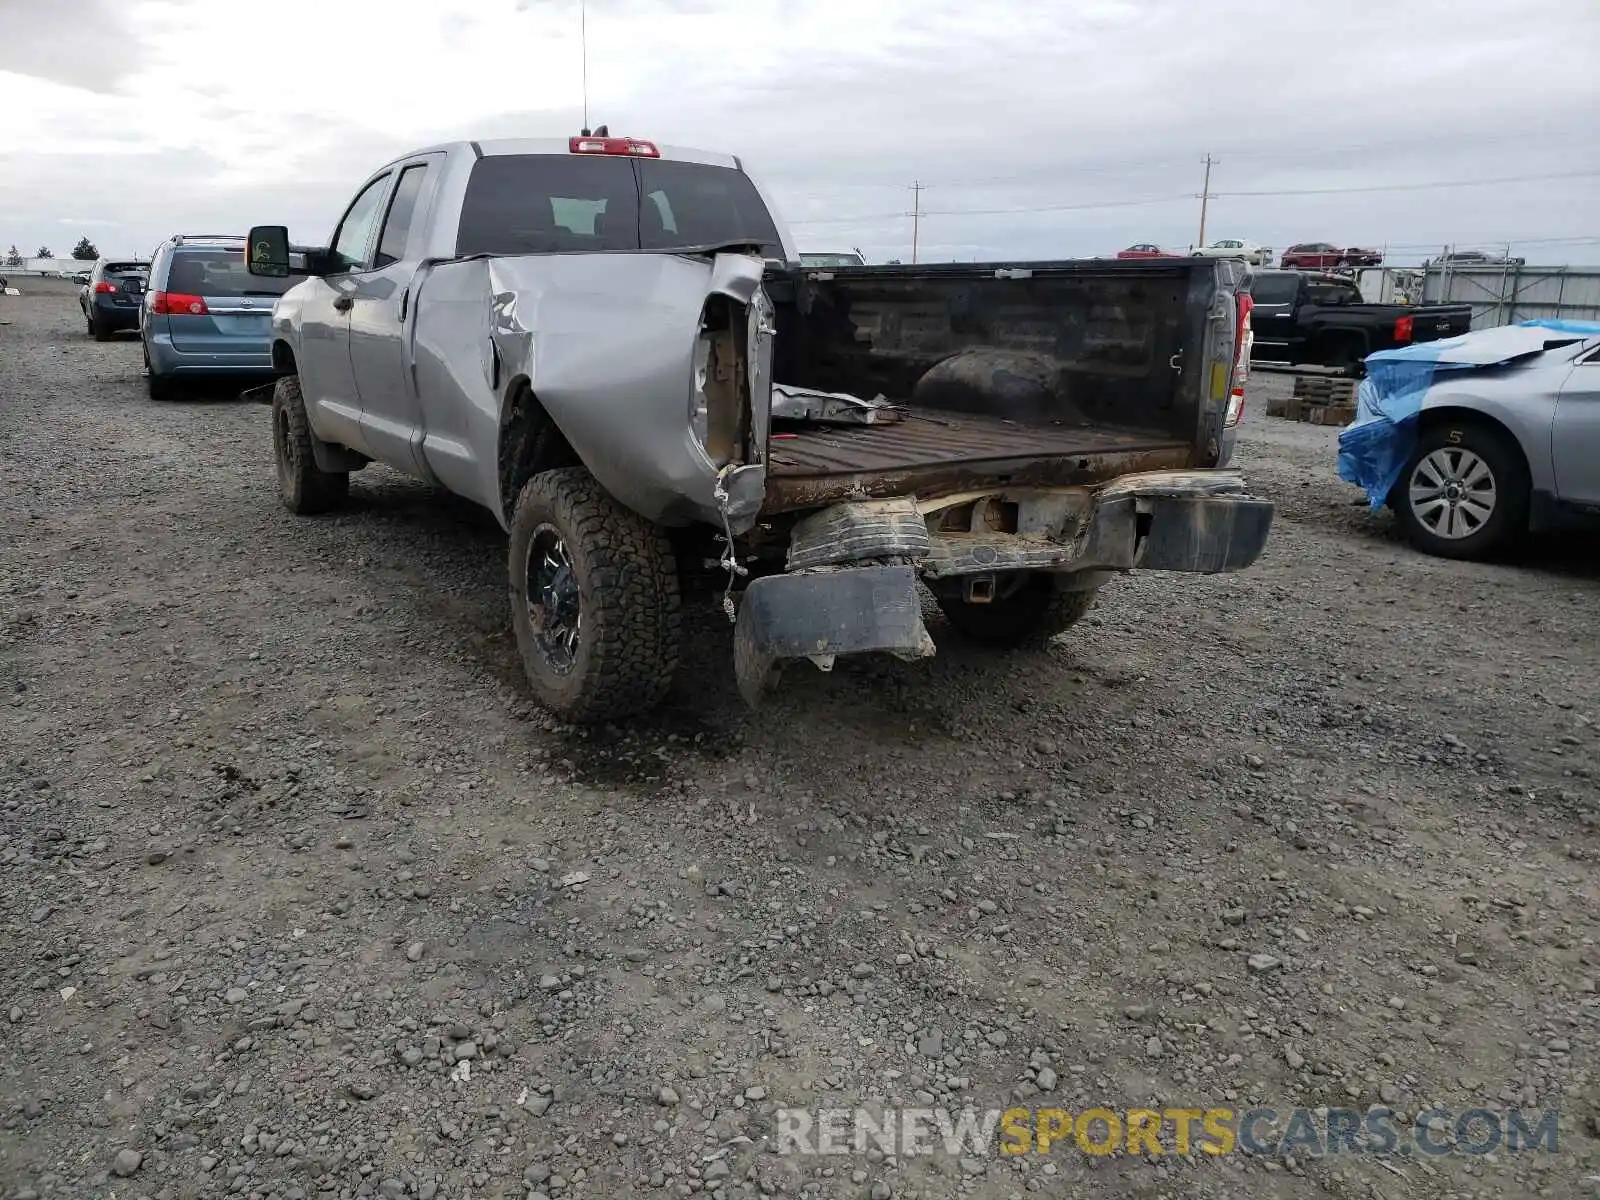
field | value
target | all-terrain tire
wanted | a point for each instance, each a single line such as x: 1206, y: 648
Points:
x: 629, y: 603
x: 1033, y: 614
x: 1512, y: 490
x: 1347, y: 355
x: 304, y: 487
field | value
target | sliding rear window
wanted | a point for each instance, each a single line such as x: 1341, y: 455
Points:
x: 550, y: 203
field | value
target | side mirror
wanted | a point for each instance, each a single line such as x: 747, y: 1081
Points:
x: 268, y: 252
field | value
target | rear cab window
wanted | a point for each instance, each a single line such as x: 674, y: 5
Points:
x: 554, y: 203
x: 1275, y: 289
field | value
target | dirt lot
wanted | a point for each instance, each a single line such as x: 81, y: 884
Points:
x: 284, y: 844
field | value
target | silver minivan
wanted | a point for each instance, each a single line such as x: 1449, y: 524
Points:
x: 204, y: 315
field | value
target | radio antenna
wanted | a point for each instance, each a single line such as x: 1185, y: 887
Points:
x: 583, y: 42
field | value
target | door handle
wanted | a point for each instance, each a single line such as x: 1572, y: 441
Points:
x: 343, y: 304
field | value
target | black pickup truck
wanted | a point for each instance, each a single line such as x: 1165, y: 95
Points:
x: 1308, y: 319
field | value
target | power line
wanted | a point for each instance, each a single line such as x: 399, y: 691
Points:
x: 1416, y: 187
x: 1319, y: 155
x: 1002, y: 212
x: 1186, y: 196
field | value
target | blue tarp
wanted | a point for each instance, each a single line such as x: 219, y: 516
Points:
x: 1583, y: 328
x: 1374, y: 449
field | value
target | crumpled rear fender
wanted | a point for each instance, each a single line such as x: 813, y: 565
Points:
x: 607, y: 342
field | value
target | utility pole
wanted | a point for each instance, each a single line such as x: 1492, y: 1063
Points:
x: 916, y: 216
x: 1205, y: 199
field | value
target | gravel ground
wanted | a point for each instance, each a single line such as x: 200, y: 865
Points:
x: 303, y: 897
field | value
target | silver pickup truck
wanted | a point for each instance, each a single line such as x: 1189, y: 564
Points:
x: 612, y: 346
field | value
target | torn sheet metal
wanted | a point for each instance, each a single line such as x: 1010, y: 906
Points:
x: 791, y: 403
x: 1374, y: 449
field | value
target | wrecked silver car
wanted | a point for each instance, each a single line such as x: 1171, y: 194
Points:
x: 605, y: 343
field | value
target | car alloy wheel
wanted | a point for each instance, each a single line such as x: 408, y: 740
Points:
x: 288, y: 451
x: 555, y: 604
x: 1452, y: 493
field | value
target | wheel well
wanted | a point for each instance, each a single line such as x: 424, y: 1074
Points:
x: 530, y: 443
x: 283, y: 358
x: 1431, y: 418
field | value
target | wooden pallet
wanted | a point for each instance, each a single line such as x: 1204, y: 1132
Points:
x: 1312, y: 412
x: 1324, y: 389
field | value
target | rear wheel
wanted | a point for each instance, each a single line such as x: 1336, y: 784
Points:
x: 304, y: 487
x: 100, y: 328
x: 1344, y: 355
x: 159, y: 387
x: 1465, y: 491
x: 594, y: 599
x: 1032, y: 614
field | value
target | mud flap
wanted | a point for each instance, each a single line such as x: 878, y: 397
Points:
x: 824, y: 614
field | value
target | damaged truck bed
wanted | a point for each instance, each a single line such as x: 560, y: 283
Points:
x: 928, y: 451
x: 1029, y: 431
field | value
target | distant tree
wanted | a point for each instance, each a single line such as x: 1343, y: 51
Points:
x: 44, y: 252
x: 13, y: 259
x: 85, y: 250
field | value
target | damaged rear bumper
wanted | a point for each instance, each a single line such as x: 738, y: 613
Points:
x: 821, y: 615
x: 1194, y: 521
x: 1191, y: 521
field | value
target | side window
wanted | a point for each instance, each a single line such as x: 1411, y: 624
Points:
x: 397, y: 225
x: 350, y: 242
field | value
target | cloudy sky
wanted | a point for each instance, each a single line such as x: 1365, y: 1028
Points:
x: 1040, y: 128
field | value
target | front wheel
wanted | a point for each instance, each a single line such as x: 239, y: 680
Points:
x: 304, y: 487
x: 1034, y: 613
x: 594, y: 599
x: 1464, y: 492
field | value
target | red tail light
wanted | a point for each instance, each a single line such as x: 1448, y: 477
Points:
x: 105, y: 287
x: 1242, y: 339
x: 1402, y: 329
x: 177, y: 304
x: 613, y: 145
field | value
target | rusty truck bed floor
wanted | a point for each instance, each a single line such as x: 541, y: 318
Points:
x: 930, y: 452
